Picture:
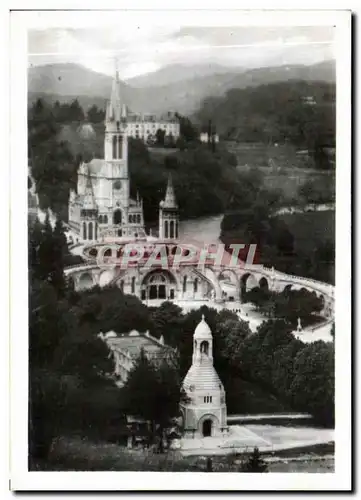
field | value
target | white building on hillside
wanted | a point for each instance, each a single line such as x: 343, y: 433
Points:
x: 205, y: 137
x: 145, y: 126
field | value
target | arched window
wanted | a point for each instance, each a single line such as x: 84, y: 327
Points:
x: 95, y: 231
x: 130, y: 219
x: 166, y: 229
x: 120, y: 146
x: 133, y: 285
x: 114, y: 139
x: 84, y: 231
x: 184, y: 284
x: 204, y: 347
x: 171, y: 229
x: 100, y: 218
x: 105, y: 219
x: 90, y: 231
x: 138, y: 218
x: 117, y: 217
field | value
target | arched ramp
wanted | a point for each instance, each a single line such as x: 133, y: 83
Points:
x: 85, y: 281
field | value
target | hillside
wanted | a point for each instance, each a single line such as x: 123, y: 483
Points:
x: 171, y: 88
x: 296, y: 111
x: 174, y: 73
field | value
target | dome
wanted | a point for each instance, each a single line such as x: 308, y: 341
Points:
x: 202, y: 331
x: 202, y: 377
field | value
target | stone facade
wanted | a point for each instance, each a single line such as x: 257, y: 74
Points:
x: 126, y: 350
x: 102, y: 205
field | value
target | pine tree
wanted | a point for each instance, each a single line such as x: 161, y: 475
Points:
x: 152, y: 393
x: 255, y: 463
x: 140, y: 387
x: 59, y: 252
x: 45, y: 251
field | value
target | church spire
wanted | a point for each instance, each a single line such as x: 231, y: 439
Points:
x: 89, y: 199
x: 116, y: 110
x: 170, y: 200
x: 168, y: 214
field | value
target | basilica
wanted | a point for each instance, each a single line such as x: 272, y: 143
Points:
x: 102, y: 213
x: 102, y: 206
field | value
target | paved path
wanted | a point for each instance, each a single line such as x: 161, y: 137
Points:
x: 295, y: 416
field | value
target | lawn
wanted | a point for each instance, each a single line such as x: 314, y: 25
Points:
x: 83, y: 455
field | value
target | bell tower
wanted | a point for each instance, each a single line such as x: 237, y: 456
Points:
x: 203, y: 408
x: 168, y: 214
x: 116, y: 153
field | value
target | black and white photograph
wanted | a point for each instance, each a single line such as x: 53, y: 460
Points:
x: 176, y: 209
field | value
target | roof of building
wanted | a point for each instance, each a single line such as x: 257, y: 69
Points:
x: 202, y: 331
x: 170, y: 199
x: 134, y: 341
x: 202, y: 377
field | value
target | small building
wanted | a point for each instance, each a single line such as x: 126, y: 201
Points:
x: 205, y: 137
x: 126, y: 350
x: 203, y: 407
x: 309, y: 100
x: 144, y: 126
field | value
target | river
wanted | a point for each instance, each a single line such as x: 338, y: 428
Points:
x: 206, y: 229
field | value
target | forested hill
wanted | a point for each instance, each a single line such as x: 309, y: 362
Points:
x: 296, y: 111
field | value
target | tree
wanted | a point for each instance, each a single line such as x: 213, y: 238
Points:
x: 152, y: 393
x: 233, y: 333
x: 95, y: 115
x: 167, y: 320
x: 187, y: 130
x: 160, y: 135
x: 76, y: 112
x: 120, y: 312
x: 169, y: 141
x: 313, y: 386
x: 65, y: 356
x: 321, y: 156
x: 180, y: 143
x: 60, y: 250
x: 255, y: 463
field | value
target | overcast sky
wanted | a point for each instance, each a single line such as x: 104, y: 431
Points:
x: 141, y: 50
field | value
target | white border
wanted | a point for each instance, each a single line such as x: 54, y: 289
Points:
x: 21, y: 479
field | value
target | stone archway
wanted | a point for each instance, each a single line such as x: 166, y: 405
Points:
x: 207, y: 427
x: 211, y: 427
x: 159, y: 284
x: 85, y: 281
x: 210, y: 277
x: 248, y: 281
x: 106, y: 277
x: 229, y: 283
x: 263, y: 284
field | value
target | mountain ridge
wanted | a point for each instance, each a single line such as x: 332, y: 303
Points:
x: 184, y: 95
